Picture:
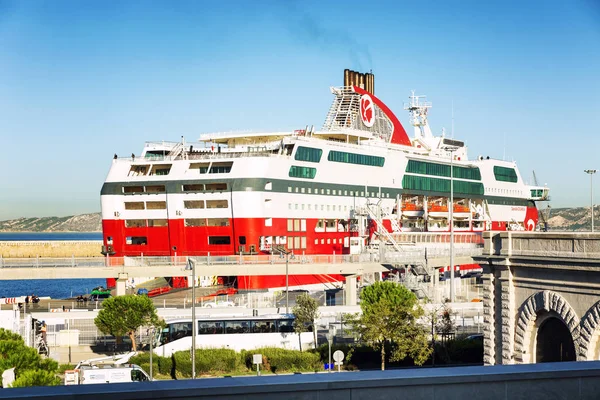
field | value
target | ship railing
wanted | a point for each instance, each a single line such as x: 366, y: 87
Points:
x: 275, y: 259
x: 204, y: 156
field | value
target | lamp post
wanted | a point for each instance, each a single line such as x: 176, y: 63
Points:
x: 591, y: 172
x: 286, y: 253
x: 451, y: 150
x: 192, y: 265
x: 329, y: 335
x: 151, y: 351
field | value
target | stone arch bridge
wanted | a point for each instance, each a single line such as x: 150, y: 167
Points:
x: 541, y: 297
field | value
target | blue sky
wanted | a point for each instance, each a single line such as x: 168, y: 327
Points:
x: 81, y: 81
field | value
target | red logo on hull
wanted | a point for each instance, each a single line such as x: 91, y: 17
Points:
x: 367, y: 113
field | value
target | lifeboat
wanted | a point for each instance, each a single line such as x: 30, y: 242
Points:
x: 412, y: 210
x: 461, y: 211
x: 438, y: 211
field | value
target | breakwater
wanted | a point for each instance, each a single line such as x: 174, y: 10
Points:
x: 50, y: 248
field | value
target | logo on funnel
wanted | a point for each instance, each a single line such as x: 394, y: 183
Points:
x: 367, y: 113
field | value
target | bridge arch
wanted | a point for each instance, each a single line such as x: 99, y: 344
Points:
x: 590, y: 334
x: 537, y: 311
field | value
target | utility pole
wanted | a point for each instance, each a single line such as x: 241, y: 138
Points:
x: 591, y: 172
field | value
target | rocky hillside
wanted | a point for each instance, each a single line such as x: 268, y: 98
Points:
x: 573, y: 219
x: 75, y: 223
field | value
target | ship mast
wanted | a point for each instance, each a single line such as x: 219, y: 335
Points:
x: 418, y: 116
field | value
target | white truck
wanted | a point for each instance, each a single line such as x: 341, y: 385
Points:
x: 106, y: 370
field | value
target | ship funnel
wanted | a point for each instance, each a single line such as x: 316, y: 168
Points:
x: 364, y: 81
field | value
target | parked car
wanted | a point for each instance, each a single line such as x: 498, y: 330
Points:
x: 219, y: 304
x: 99, y: 297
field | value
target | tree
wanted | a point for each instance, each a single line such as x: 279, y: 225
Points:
x: 30, y: 368
x: 306, y: 312
x: 125, y: 314
x: 389, y: 316
x: 445, y: 325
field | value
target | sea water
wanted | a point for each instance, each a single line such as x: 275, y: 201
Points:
x: 54, y: 288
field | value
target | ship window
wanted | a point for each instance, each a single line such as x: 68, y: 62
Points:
x: 296, y: 189
x: 308, y: 154
x: 269, y: 186
x: 195, y: 222
x: 289, y: 189
x: 334, y: 241
x: 505, y: 174
x: 268, y: 221
x: 302, y: 172
x: 135, y: 223
x: 136, y: 240
x: 219, y: 240
x: 155, y: 189
x: 429, y: 168
x: 303, y: 225
x: 216, y: 187
x: 290, y: 225
x: 193, y: 188
x: 219, y: 222
x: 309, y: 191
x: 322, y: 241
x: 192, y: 204
x: 331, y: 223
x: 217, y: 203
x: 220, y: 167
x: 352, y: 158
x: 161, y: 169
x: 138, y: 170
x: 351, y: 193
x: 134, y: 205
x: 156, y: 205
x: 290, y: 242
x: 201, y: 167
x: 297, y: 242
x: 320, y: 224
x: 316, y: 241
x: 345, y: 193
x: 410, y: 182
x: 296, y: 225
x: 302, y: 190
x: 328, y: 241
x: 334, y: 192
x: 157, y: 222
x: 133, y: 189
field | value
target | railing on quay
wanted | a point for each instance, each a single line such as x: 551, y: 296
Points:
x: 411, y: 254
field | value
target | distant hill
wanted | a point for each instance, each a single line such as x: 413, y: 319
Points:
x: 561, y: 219
x: 74, y: 223
x: 573, y: 219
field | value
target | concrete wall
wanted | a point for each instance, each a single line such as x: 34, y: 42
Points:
x: 50, y: 248
x: 504, y: 382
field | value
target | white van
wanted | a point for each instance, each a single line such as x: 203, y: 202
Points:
x: 85, y: 375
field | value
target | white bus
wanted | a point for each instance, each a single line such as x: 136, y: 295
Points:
x: 236, y: 333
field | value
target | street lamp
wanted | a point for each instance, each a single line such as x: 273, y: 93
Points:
x: 329, y: 335
x: 191, y: 265
x: 286, y: 254
x: 451, y: 150
x: 591, y: 172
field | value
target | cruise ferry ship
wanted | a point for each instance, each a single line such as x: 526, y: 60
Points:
x: 305, y: 191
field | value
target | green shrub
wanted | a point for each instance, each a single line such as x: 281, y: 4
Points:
x: 208, y: 361
x: 460, y: 351
x: 165, y: 364
x: 283, y: 360
x: 36, y: 377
